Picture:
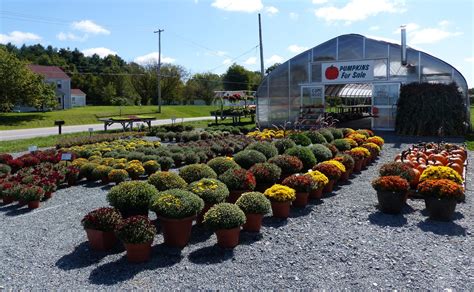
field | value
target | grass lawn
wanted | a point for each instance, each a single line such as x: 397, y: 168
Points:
x: 89, y: 115
x: 470, y: 137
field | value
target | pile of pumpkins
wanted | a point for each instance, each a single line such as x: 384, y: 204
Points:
x: 422, y: 155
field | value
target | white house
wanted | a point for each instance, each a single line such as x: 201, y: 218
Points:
x: 78, y: 98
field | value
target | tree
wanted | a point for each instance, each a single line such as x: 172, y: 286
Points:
x: 236, y: 78
x: 202, y: 86
x: 172, y: 85
x: 271, y: 68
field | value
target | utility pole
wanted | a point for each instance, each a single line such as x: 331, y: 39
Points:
x: 262, y: 70
x: 159, y: 31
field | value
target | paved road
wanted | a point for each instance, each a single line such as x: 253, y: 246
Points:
x: 40, y: 132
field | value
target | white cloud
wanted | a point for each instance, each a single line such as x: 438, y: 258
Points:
x: 294, y: 16
x: 227, y: 62
x: 430, y: 35
x: 102, y: 52
x: 88, y: 26
x: 374, y: 27
x: 251, y: 61
x: 272, y: 10
x: 470, y: 59
x: 358, y: 10
x: 319, y: 1
x: 273, y: 59
x: 238, y: 5
x: 444, y: 23
x: 19, y: 37
x: 409, y: 27
x: 221, y: 53
x: 152, y: 58
x: 69, y: 36
x: 297, y: 49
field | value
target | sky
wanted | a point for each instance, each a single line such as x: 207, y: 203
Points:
x: 210, y: 35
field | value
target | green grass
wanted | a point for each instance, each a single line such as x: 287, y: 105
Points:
x: 470, y: 137
x: 89, y: 115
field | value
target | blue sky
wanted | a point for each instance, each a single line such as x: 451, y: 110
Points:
x: 209, y: 35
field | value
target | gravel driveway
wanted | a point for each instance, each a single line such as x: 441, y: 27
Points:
x: 337, y: 243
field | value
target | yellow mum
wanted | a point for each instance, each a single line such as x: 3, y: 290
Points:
x: 280, y: 193
x: 441, y: 172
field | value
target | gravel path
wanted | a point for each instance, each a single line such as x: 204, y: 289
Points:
x: 340, y: 242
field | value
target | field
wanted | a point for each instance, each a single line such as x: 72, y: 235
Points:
x: 90, y: 114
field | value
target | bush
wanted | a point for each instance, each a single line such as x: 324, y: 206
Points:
x: 178, y: 158
x: 347, y: 160
x: 300, y: 139
x: 398, y: 169
x: 266, y: 172
x: 441, y: 188
x: 191, y: 158
x: 101, y: 172
x: 441, y: 172
x: 304, y: 154
x: 31, y: 193
x: 118, y: 175
x: 327, y: 135
x: 247, y: 158
x: 135, y: 156
x: 316, y: 137
x: 342, y: 144
x: 151, y: 166
x: 336, y: 133
x: 136, y: 229
x: 5, y: 157
x: 331, y: 171
x: 165, y: 162
x: 288, y: 164
x: 131, y: 195
x: 347, y: 131
x: 195, y: 172
x: 390, y: 184
x: 164, y: 180
x: 321, y: 152
x: 102, y: 219
x: 210, y: 190
x: 176, y: 204
x: 280, y: 193
x: 266, y: 148
x: 238, y: 179
x: 283, y: 144
x: 87, y: 170
x: 298, y: 182
x: 332, y: 148
x: 253, y: 203
x: 224, y: 216
x: 4, y: 169
x: 222, y: 164
x: 135, y: 169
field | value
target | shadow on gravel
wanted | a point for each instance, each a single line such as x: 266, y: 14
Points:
x: 210, y: 255
x: 106, y: 187
x: 118, y: 271
x: 9, y: 207
x: 300, y: 212
x: 274, y: 222
x: 92, y: 184
x: 382, y: 219
x: 19, y: 210
x: 456, y: 216
x: 200, y: 233
x: 82, y: 256
x: 247, y: 238
x: 315, y: 202
x: 442, y: 228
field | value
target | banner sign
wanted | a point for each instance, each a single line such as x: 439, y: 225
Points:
x: 348, y: 71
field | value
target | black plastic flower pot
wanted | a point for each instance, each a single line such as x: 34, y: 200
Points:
x: 391, y: 202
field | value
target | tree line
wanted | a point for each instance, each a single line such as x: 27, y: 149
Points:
x: 111, y: 80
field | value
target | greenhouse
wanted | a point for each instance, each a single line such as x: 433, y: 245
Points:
x: 351, y: 76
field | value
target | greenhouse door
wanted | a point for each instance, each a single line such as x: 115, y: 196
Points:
x: 384, y: 105
x: 312, y: 96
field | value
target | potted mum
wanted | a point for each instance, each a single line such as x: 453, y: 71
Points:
x: 301, y: 183
x: 195, y: 172
x: 238, y: 181
x: 118, y: 175
x: 361, y: 151
x: 225, y: 219
x: 131, y: 198
x: 211, y: 191
x: 222, y: 164
x: 358, y: 155
x: 176, y: 209
x: 100, y: 226
x: 266, y: 174
x: 137, y: 235
x: 32, y: 195
x: 319, y: 182
x: 332, y: 172
x: 255, y: 205
x: 391, y: 193
x: 5, y: 192
x: 72, y: 175
x: 340, y: 166
x: 135, y: 169
x: 348, y: 163
x: 151, y: 166
x: 441, y: 197
x: 101, y: 172
x: 289, y: 165
x: 401, y: 169
x: 280, y: 197
x: 165, y: 180
x: 441, y: 172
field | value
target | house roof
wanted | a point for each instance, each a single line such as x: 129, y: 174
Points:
x: 49, y: 71
x: 77, y: 91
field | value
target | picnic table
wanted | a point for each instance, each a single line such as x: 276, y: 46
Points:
x: 126, y: 122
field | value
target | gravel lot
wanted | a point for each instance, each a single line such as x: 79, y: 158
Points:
x: 341, y: 242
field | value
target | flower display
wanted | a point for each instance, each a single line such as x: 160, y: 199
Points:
x: 238, y: 179
x: 373, y: 148
x: 280, y: 193
x: 319, y: 179
x: 336, y: 163
x: 298, y: 182
x: 151, y: 166
x: 397, y: 168
x: 376, y: 140
x: 176, y: 203
x: 266, y: 172
x: 441, y: 172
x: 390, y: 183
x: 345, y: 159
x: 118, y: 175
x: 102, y: 219
x: 330, y: 170
x: 359, y: 138
x: 359, y: 153
x: 135, y: 169
x: 136, y: 229
x: 441, y: 188
x: 288, y: 164
x: 210, y: 190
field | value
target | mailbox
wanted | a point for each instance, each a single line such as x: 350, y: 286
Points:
x: 59, y: 123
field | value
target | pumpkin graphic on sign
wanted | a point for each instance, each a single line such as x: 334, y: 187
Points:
x: 331, y: 73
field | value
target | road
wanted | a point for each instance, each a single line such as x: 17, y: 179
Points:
x: 7, y: 135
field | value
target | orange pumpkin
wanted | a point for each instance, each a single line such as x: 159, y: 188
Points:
x: 416, y: 179
x: 457, y: 167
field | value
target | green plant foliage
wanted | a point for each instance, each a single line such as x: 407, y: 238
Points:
x: 336, y: 133
x: 4, y: 169
x: 342, y: 145
x: 165, y: 162
x: 131, y: 195
x: 266, y: 148
x: 321, y: 152
x: 176, y: 204
x: 304, y: 154
x: 210, y: 190
x: 254, y: 203
x: 195, y: 172
x: 247, y: 158
x: 431, y: 109
x: 102, y: 219
x: 224, y: 216
x: 266, y: 172
x: 315, y: 137
x: 165, y: 180
x: 283, y: 144
x: 136, y: 229
x: 300, y: 139
x: 222, y: 164
x: 327, y: 135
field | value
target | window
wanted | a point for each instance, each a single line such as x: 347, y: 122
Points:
x: 59, y: 84
x: 73, y: 100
